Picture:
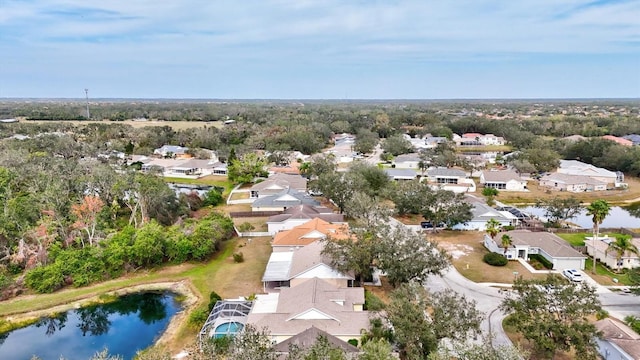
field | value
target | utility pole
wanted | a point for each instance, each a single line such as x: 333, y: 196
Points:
x: 86, y: 92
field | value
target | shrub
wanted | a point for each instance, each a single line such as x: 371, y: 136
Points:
x: 213, y: 299
x: 372, y: 302
x: 213, y: 197
x: 353, y: 342
x: 238, y: 257
x: 246, y: 226
x: 198, y: 317
x: 495, y: 259
x: 542, y: 260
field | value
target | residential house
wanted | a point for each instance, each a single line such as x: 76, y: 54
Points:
x: 634, y: 138
x: 407, y: 161
x: 315, y: 303
x: 618, y: 140
x: 617, y: 341
x: 283, y: 200
x: 449, y: 179
x: 571, y: 183
x: 482, y: 213
x: 291, y: 268
x: 401, y: 174
x: 277, y: 183
x: 299, y: 215
x: 550, y: 246
x: 575, y: 167
x: 305, y: 234
x: 183, y: 167
x: 308, y: 338
x: 476, y: 139
x: 173, y: 151
x: 608, y: 256
x: 506, y: 180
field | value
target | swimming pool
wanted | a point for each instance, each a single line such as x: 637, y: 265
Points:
x: 226, y: 329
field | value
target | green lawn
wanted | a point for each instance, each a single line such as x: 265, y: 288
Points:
x: 199, y: 273
x: 577, y: 239
x: 605, y: 276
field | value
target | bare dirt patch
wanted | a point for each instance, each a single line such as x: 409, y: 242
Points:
x: 466, y: 250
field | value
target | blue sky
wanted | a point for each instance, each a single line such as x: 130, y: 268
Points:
x: 330, y: 49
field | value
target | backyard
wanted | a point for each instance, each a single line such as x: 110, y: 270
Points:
x: 536, y: 192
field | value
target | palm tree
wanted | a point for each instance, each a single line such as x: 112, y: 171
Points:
x: 506, y: 242
x: 621, y: 246
x: 493, y: 227
x: 598, y: 210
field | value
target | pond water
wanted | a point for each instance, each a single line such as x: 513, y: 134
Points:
x: 628, y: 217
x: 131, y: 323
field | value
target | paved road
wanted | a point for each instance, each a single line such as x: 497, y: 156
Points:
x: 488, y: 299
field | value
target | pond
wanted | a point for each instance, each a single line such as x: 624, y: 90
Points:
x: 628, y: 217
x: 131, y: 323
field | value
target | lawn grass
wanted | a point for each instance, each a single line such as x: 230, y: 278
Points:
x: 259, y: 223
x: 604, y: 276
x: 576, y: 239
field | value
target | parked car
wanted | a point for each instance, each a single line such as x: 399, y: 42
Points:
x: 573, y: 275
x: 428, y: 226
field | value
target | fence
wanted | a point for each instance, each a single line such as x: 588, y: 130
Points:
x: 246, y: 214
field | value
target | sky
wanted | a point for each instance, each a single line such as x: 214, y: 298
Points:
x: 329, y: 49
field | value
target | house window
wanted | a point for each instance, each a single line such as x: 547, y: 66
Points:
x: 446, y: 180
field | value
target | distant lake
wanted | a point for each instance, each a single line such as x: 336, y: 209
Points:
x: 628, y: 216
x: 131, y: 323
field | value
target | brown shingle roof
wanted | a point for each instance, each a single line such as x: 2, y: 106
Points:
x: 319, y: 297
x: 309, y: 257
x: 307, y: 212
x: 308, y: 338
x: 501, y: 176
x: 281, y: 181
x: 621, y: 335
x: 550, y: 243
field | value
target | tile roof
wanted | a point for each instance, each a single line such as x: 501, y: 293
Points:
x: 309, y: 232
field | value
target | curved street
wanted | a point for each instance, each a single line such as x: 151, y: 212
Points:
x: 488, y: 300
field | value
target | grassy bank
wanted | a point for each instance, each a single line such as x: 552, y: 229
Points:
x: 220, y: 274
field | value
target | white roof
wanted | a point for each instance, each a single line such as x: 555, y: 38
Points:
x: 575, y: 167
x: 265, y: 303
x: 278, y: 266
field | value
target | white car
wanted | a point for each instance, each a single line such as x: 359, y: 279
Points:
x: 573, y: 275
